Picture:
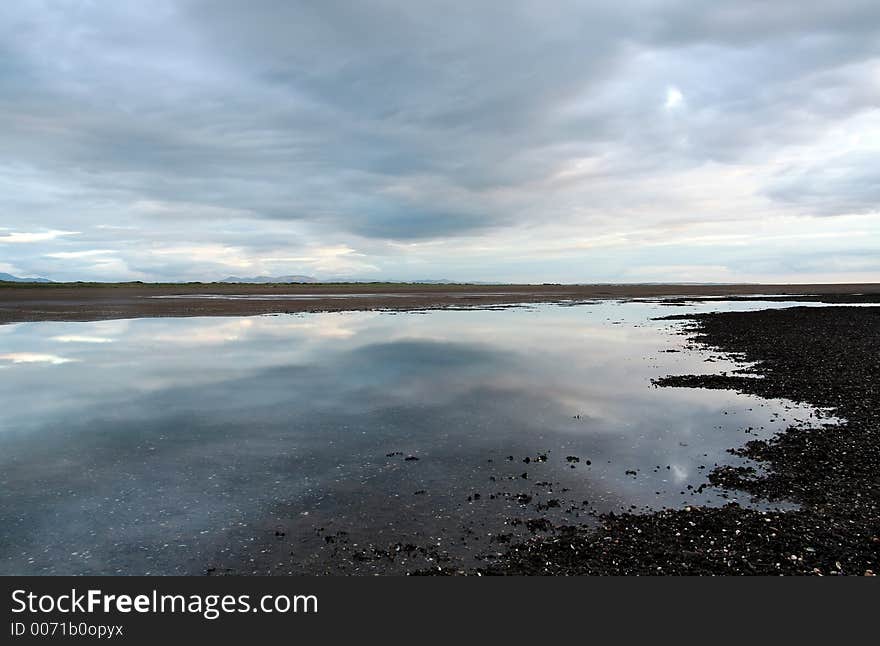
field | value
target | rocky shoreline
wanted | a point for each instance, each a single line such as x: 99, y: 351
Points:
x: 829, y: 357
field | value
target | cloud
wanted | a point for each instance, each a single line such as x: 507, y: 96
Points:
x: 34, y: 357
x: 247, y: 131
x: 840, y: 184
x: 85, y: 253
x: 674, y: 98
x: 24, y: 238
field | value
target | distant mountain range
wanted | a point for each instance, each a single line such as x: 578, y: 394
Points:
x: 312, y: 279
x: 270, y: 279
x: 9, y: 278
x: 419, y: 281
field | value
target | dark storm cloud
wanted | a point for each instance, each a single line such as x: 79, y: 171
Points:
x: 400, y: 121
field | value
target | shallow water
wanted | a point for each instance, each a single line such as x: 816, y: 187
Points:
x: 173, y: 445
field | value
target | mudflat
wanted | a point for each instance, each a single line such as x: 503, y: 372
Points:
x: 91, y: 302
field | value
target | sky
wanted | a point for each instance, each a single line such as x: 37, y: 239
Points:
x: 515, y: 141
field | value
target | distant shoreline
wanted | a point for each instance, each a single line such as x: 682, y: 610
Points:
x: 24, y: 302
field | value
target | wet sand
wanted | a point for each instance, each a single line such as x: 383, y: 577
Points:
x: 89, y: 302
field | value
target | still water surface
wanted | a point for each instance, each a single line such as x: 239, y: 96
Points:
x: 174, y: 445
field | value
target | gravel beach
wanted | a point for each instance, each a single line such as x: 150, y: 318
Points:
x: 829, y: 357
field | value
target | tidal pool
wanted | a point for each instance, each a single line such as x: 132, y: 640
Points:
x: 186, y: 445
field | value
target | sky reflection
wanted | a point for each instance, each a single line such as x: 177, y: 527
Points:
x: 166, y: 445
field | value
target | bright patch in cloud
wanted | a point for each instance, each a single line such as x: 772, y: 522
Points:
x: 17, y: 237
x: 86, y: 253
x: 674, y: 98
x: 207, y: 254
x: 34, y: 357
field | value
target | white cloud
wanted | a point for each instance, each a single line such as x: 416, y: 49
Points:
x: 85, y: 253
x: 34, y: 357
x: 43, y: 236
x: 72, y: 338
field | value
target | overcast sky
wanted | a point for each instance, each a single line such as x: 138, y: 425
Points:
x: 513, y: 141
